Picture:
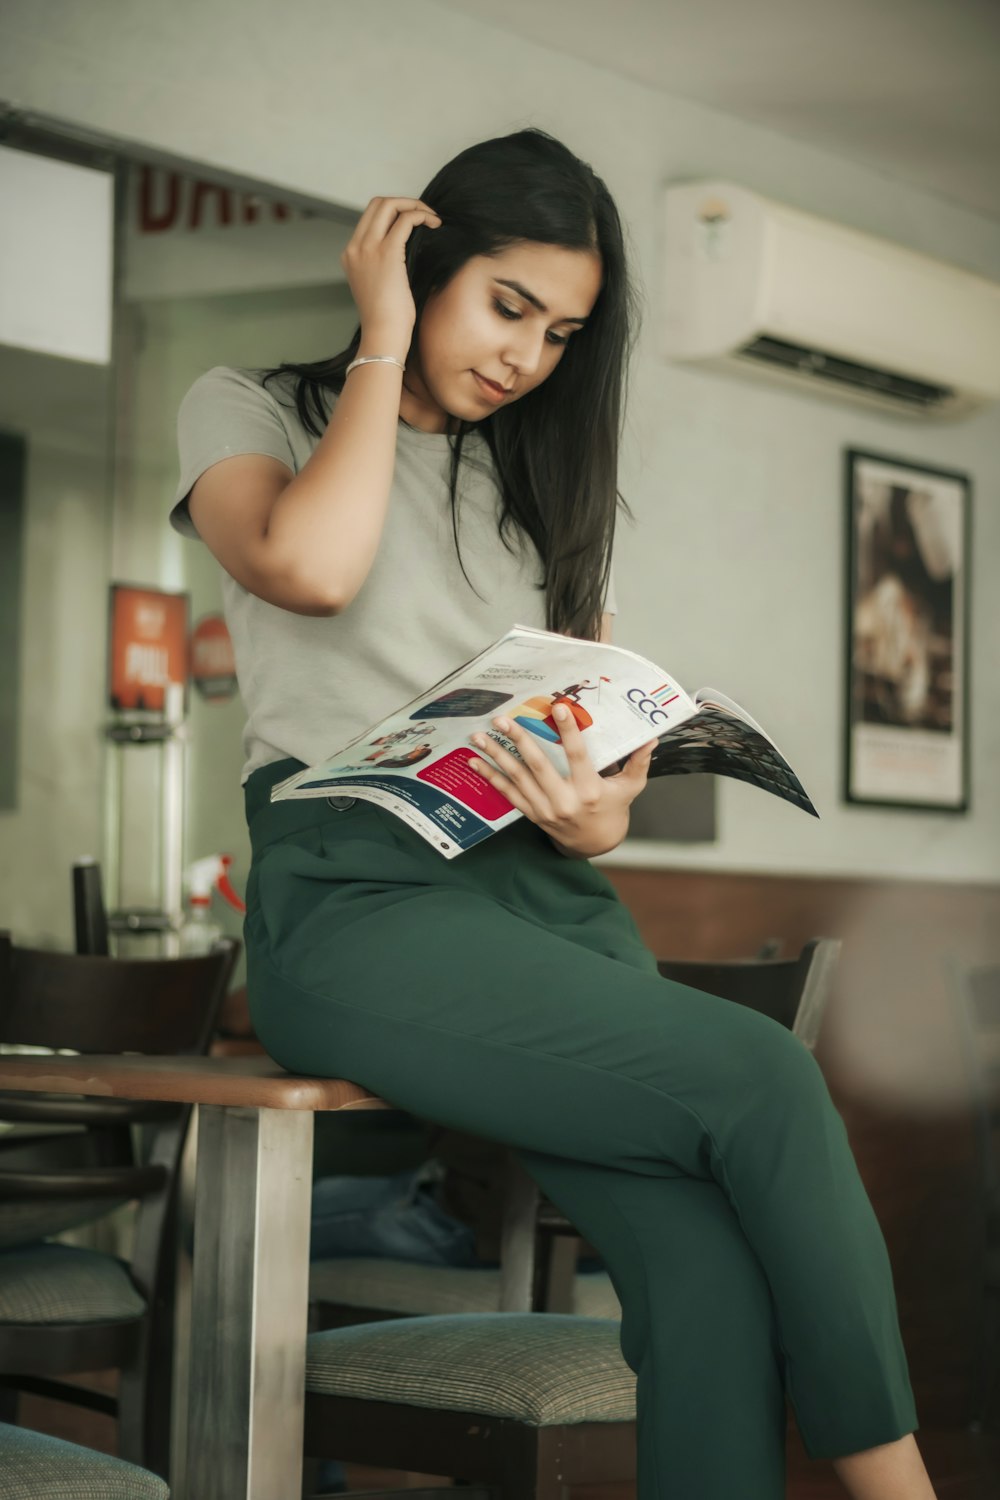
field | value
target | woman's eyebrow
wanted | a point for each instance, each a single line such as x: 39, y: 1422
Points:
x: 522, y: 291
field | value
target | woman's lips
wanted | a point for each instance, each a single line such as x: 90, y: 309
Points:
x: 494, y: 392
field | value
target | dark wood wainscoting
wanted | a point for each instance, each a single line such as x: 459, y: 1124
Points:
x: 891, y: 1053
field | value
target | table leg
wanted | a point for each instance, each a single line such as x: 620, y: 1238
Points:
x: 249, y: 1304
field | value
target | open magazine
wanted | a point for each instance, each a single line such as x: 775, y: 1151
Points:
x: 415, y: 763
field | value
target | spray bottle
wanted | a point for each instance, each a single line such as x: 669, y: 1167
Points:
x: 198, y: 931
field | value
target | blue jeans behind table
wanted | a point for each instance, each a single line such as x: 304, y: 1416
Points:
x: 394, y: 1217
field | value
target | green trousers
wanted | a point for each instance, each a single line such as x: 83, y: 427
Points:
x: 693, y: 1142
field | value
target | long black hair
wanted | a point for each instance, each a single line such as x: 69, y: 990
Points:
x: 555, y: 450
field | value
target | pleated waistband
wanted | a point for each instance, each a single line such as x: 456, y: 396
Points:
x: 269, y: 821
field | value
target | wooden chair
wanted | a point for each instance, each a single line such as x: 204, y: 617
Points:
x: 66, y: 1310
x: 976, y: 996
x: 793, y: 991
x: 524, y: 1404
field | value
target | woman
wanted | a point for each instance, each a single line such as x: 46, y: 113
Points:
x: 454, y: 469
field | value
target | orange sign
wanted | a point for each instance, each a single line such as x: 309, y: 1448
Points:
x: 148, y: 646
x: 213, y: 665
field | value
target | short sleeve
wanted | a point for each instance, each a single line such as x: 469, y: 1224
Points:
x: 610, y: 606
x: 225, y: 412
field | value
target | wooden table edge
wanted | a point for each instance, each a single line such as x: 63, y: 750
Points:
x: 254, y: 1082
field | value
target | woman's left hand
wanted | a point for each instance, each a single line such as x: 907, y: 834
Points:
x: 585, y: 813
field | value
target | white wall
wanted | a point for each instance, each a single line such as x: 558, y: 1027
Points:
x: 734, y: 574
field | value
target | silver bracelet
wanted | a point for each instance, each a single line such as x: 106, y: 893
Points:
x: 374, y: 359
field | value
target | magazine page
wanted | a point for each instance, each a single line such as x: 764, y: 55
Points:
x: 415, y: 763
x: 721, y: 738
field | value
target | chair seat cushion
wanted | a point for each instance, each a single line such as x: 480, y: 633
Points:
x: 406, y: 1287
x: 64, y: 1284
x: 543, y: 1369
x: 33, y: 1464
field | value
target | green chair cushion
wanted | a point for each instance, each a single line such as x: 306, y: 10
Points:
x: 64, y: 1284
x: 543, y: 1369
x: 405, y: 1287
x: 34, y: 1466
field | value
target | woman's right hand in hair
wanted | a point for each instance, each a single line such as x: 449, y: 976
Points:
x: 375, y: 262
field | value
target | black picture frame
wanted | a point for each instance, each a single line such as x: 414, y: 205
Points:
x: 907, y: 645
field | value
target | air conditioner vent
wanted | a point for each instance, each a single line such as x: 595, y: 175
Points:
x: 917, y: 394
x: 761, y: 290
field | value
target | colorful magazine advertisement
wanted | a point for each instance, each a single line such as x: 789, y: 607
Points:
x: 415, y: 763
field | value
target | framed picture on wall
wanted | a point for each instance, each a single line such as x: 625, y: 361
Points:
x: 907, y: 650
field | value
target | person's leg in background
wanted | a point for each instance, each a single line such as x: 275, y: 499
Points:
x: 394, y: 1216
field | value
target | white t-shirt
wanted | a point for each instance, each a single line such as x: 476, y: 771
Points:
x: 311, y: 684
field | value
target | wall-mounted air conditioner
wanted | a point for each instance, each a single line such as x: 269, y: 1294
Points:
x: 755, y: 287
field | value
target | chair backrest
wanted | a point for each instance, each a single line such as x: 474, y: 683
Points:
x: 97, y: 1004
x: 53, y: 1177
x: 793, y: 991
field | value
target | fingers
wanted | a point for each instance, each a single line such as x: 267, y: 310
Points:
x: 503, y: 784
x: 534, y: 786
x: 487, y: 745
x: 506, y: 776
x: 634, y: 773
x: 535, y: 767
x: 527, y: 747
x: 375, y: 262
x: 383, y: 215
x: 571, y: 735
x: 408, y: 221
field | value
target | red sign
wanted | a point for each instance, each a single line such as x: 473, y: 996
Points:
x: 166, y: 200
x: 213, y: 665
x: 147, y: 647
